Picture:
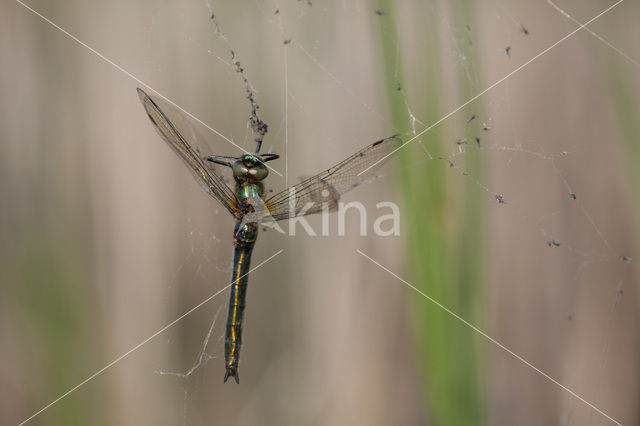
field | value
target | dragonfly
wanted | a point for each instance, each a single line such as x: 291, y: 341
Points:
x: 247, y: 201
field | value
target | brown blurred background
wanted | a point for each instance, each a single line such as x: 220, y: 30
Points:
x: 105, y: 238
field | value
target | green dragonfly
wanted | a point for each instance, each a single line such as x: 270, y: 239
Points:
x: 248, y: 204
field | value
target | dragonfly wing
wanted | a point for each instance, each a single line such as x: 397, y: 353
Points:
x: 308, y: 196
x: 205, y: 172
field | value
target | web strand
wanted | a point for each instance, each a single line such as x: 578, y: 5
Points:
x: 139, y: 345
x: 521, y: 67
x: 491, y: 339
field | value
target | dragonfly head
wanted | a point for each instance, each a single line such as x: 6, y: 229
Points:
x: 249, y: 167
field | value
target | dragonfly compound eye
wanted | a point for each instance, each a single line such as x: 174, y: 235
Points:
x: 240, y: 170
x: 258, y: 172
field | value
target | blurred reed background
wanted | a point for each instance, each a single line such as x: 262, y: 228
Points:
x: 105, y: 237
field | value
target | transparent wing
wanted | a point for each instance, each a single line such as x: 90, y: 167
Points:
x: 308, y: 196
x: 205, y: 172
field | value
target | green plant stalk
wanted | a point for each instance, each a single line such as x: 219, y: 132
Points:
x: 471, y: 241
x: 626, y: 111
x: 444, y: 250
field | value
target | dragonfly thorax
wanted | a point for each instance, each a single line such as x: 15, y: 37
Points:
x: 249, y: 168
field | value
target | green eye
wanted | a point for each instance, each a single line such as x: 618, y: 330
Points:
x: 250, y: 161
x: 239, y: 169
x: 259, y: 172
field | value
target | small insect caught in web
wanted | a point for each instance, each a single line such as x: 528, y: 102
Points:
x: 451, y: 164
x: 468, y: 27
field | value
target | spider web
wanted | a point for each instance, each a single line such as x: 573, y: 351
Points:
x: 554, y: 187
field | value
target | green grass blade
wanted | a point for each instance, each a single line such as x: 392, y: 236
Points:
x: 444, y: 222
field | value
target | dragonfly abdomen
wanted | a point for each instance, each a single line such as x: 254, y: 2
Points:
x: 244, y: 238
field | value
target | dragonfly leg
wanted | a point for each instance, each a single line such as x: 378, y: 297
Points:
x: 216, y: 159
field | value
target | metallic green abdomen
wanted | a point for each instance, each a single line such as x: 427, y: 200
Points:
x: 244, y: 238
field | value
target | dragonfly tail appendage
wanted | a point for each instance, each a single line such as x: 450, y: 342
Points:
x: 232, y: 371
